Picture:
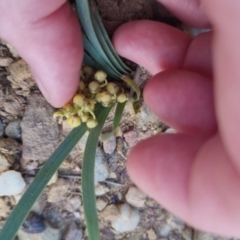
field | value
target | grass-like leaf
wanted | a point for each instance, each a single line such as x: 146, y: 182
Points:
x: 105, y: 41
x: 89, y: 61
x: 85, y: 17
x: 133, y: 85
x: 89, y: 48
x: 118, y: 115
x: 88, y: 188
x: 25, y: 204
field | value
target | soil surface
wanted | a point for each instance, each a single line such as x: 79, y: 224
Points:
x: 29, y: 135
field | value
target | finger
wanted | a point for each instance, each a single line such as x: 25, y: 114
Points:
x: 185, y: 176
x: 159, y: 47
x: 47, y: 35
x: 198, y: 57
x: 152, y: 45
x: 183, y: 100
x: 226, y: 57
x: 189, y: 11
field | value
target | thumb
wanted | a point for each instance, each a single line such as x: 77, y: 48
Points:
x: 47, y: 35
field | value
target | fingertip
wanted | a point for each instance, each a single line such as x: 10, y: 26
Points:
x: 183, y: 100
x: 160, y: 166
x: 153, y: 45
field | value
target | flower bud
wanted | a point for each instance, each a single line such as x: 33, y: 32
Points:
x: 89, y: 105
x: 122, y: 97
x: 79, y: 99
x: 74, y: 121
x: 112, y: 88
x: 91, y: 123
x: 94, y: 87
x: 58, y: 114
x: 85, y: 117
x: 106, y: 97
x: 100, y: 76
x: 98, y: 97
x: 88, y: 70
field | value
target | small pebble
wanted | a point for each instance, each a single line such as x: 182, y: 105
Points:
x: 5, y: 61
x: 4, y: 209
x: 73, y: 203
x: 33, y: 224
x: 110, y: 213
x: 151, y: 234
x: 164, y: 232
x: 73, y: 232
x: 56, y: 217
x: 11, y: 183
x: 109, y: 145
x: 130, y: 137
x: 127, y: 219
x: 13, y: 129
x: 136, y: 197
x: 53, y: 179
x: 57, y: 190
x: 6, y: 161
x: 101, y: 171
x: 101, y: 190
x: 101, y: 204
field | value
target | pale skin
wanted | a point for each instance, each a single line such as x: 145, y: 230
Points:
x: 195, y: 89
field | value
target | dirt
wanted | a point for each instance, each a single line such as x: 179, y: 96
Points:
x: 60, y: 206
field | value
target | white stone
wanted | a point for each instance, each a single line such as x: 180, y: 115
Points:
x: 100, y: 204
x: 5, y: 61
x: 48, y: 234
x: 11, y: 183
x: 57, y: 190
x: 110, y: 144
x: 110, y: 213
x: 101, y: 190
x: 101, y: 171
x: 73, y: 203
x: 151, y: 234
x: 136, y: 197
x: 170, y: 130
x: 127, y: 219
x: 13, y: 129
x: 164, y: 232
x: 53, y: 179
x: 5, y: 162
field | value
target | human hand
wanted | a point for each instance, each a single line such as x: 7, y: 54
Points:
x: 196, y: 172
x: 47, y: 35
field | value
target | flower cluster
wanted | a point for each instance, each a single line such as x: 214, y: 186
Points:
x: 81, y: 108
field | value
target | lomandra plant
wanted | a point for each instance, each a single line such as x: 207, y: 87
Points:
x: 87, y: 111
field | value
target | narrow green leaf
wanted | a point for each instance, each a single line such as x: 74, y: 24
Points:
x: 118, y: 115
x: 91, y: 62
x: 84, y: 13
x: 88, y: 188
x: 97, y: 57
x: 25, y: 204
x: 99, y: 27
x: 133, y: 85
x: 104, y: 39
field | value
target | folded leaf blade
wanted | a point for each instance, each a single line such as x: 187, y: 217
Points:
x: 88, y: 188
